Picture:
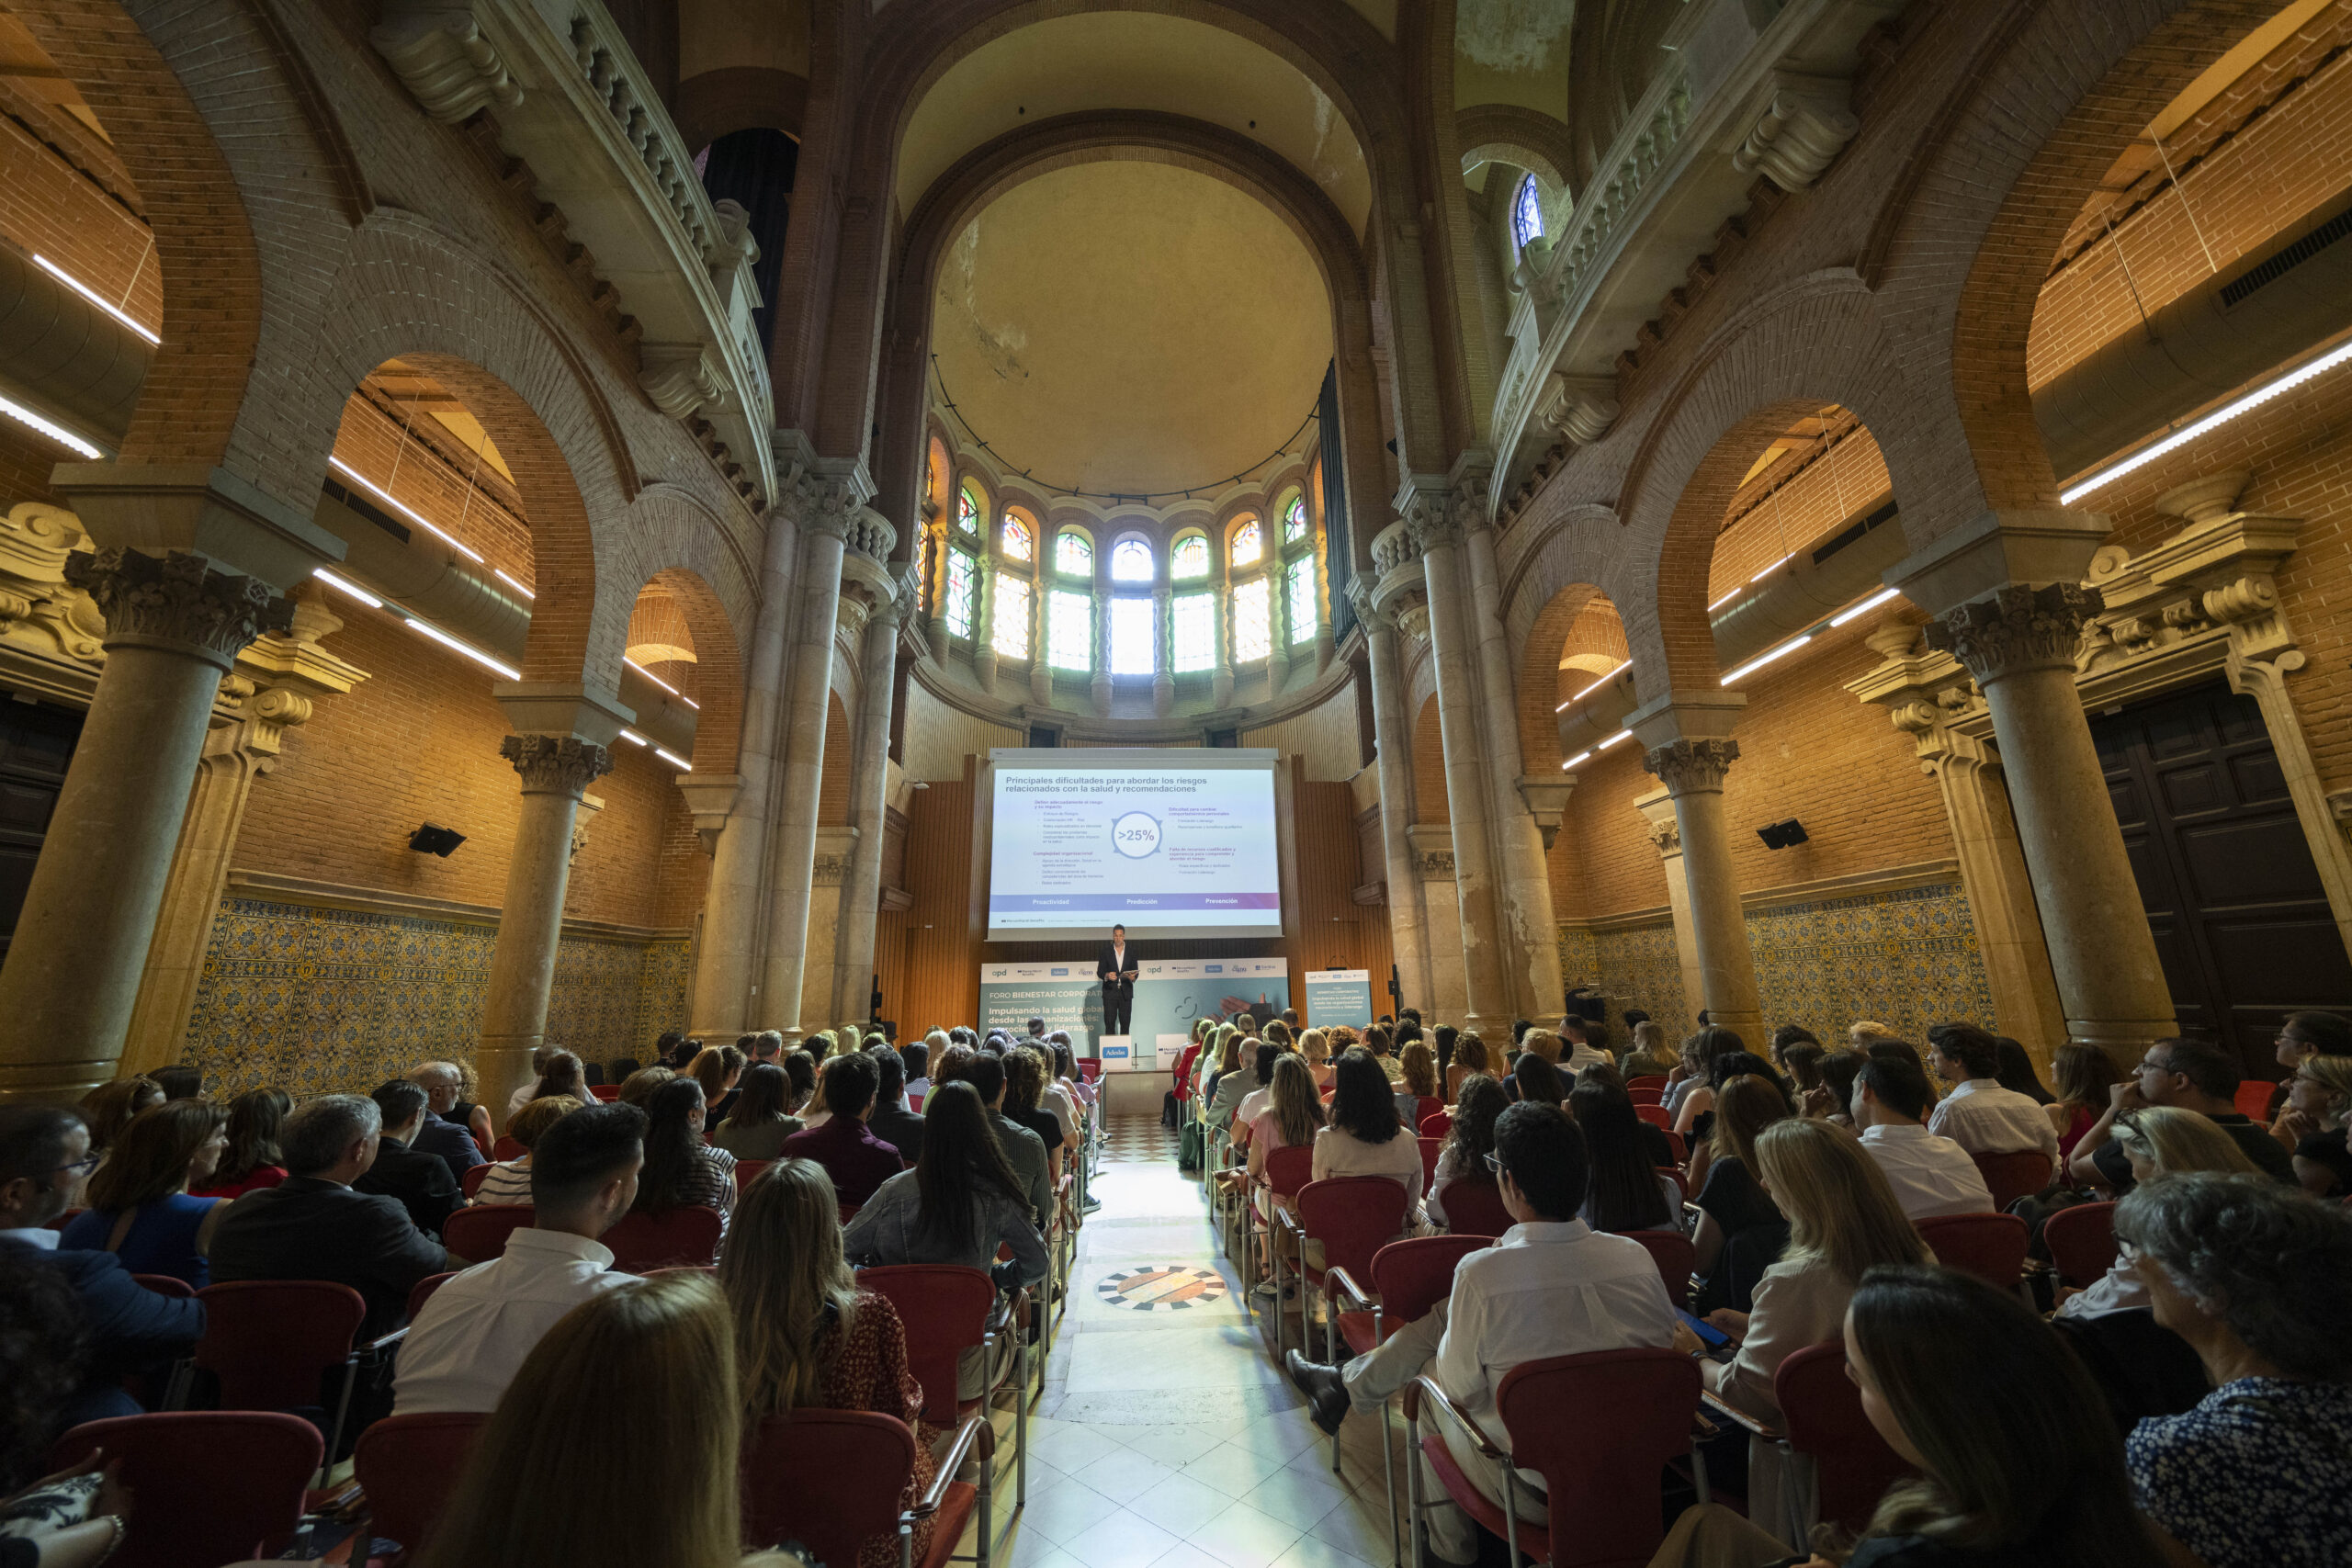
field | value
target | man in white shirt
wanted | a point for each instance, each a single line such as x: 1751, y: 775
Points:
x: 472, y: 1336
x: 1930, y: 1175
x: 1979, y: 1114
x: 1582, y: 1053
x: 1550, y: 1286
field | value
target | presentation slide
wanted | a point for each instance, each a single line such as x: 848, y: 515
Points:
x: 1176, y: 843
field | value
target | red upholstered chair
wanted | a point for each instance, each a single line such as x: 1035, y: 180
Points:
x: 1671, y: 1251
x: 1090, y: 1069
x: 1474, y: 1206
x: 946, y: 1310
x: 1409, y: 1278
x: 1681, y: 1183
x: 1600, y: 1429
x: 1991, y: 1247
x: 1654, y: 1082
x: 2021, y: 1173
x: 270, y: 1344
x: 206, y: 1486
x: 1643, y: 1096
x: 748, y: 1171
x: 2082, y: 1243
x: 1655, y: 1115
x: 1351, y: 1217
x: 1430, y: 1149
x: 1822, y: 1419
x: 650, y: 1239
x: 1436, y: 1126
x: 1674, y: 1146
x: 607, y: 1092
x: 1426, y: 1106
x: 420, y: 1293
x: 479, y: 1233
x: 1285, y: 1171
x: 470, y: 1184
x: 2253, y: 1098
x: 409, y: 1466
x: 506, y: 1149
x: 865, y: 1459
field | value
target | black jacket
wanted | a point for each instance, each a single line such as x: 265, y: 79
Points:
x: 452, y: 1142
x: 898, y: 1127
x: 307, y: 1229
x: 420, y: 1180
x: 1107, y: 966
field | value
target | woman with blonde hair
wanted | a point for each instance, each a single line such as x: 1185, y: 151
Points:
x: 806, y: 1337
x: 1470, y: 1056
x: 1224, y: 1084
x: 1651, y: 1057
x: 639, y: 1086
x: 616, y: 1445
x: 140, y: 1207
x: 1315, y: 1046
x: 709, y: 1069
x: 935, y: 1046
x: 509, y: 1181
x: 2159, y: 1140
x: 2319, y: 1103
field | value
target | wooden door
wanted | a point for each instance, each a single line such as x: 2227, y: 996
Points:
x: 36, y: 742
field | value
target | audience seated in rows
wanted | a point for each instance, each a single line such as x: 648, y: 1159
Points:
x: 1468, y: 1142
x: 857, y: 1161
x: 1930, y: 1175
x: 1363, y: 1136
x: 2190, y: 1076
x: 2311, y: 1124
x: 1025, y: 1089
x: 1024, y: 1151
x: 890, y: 1120
x: 418, y: 1181
x: 2085, y: 1074
x: 1625, y: 1192
x: 509, y: 1181
x: 141, y: 1209
x: 251, y: 1158
x: 1741, y: 1231
x: 445, y: 1086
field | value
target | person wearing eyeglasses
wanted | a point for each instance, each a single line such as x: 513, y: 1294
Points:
x: 2190, y: 1076
x: 44, y: 1152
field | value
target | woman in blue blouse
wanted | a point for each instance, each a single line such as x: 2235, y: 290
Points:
x: 140, y: 1208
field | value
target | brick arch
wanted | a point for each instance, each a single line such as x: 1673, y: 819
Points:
x: 1571, y: 613
x: 712, y: 103
x: 834, y: 771
x: 1528, y: 138
x: 1429, y: 803
x: 718, y: 668
x: 1964, y: 248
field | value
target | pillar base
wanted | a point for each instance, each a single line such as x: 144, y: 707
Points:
x: 1749, y: 1026
x: 502, y: 1066
x: 2125, y: 1041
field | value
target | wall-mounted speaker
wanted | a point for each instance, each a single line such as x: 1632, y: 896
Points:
x: 1783, y: 834
x: 431, y: 841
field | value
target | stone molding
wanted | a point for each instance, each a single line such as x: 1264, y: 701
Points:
x: 1432, y: 851
x: 177, y: 601
x: 1580, y: 407
x: 1688, y: 766
x: 556, y: 764
x: 1859, y: 884
x: 2017, y: 629
x: 306, y: 892
x: 1801, y: 131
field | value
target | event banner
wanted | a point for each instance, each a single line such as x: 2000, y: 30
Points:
x: 1338, y: 996
x: 1170, y: 994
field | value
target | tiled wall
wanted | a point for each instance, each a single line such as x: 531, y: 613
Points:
x: 318, y: 999
x: 1906, y: 958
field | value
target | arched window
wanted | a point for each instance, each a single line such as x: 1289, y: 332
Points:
x: 963, y: 585
x: 1294, y: 520
x: 1527, y: 213
x: 1131, y: 640
x: 968, y: 509
x: 1019, y: 543
x: 1190, y: 558
x: 1069, y: 629
x: 1131, y: 561
x: 1009, y: 618
x: 1073, y: 553
x: 1247, y: 545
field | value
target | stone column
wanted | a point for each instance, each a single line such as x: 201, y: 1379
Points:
x: 1433, y: 875
x: 1407, y: 936
x: 1163, y: 646
x: 1099, y: 616
x: 1522, y: 880
x: 556, y: 770
x: 1041, y: 667
x: 984, y: 654
x: 173, y: 627
x: 868, y: 799
x: 1436, y: 519
x: 1221, y: 678
x: 1692, y: 768
x: 1658, y: 819
x: 827, y: 508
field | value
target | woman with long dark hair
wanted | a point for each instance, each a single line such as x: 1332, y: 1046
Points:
x: 759, y: 1121
x: 681, y: 1171
x: 141, y: 1209
x: 1470, y: 1141
x: 2085, y: 1074
x: 1533, y: 1078
x: 1624, y: 1191
x: 565, y: 1076
x: 252, y: 1158
x: 1364, y: 1137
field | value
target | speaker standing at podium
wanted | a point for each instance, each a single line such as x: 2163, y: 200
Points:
x: 1114, y: 966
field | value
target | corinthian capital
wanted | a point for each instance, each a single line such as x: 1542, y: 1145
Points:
x: 2017, y: 629
x: 1432, y: 520
x: 179, y: 599
x: 556, y: 764
x: 829, y: 503
x: 1359, y: 595
x: 1686, y: 766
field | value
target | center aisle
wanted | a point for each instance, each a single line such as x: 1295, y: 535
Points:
x: 1168, y: 1436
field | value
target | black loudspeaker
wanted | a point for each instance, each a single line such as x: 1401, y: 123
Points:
x: 1783, y: 834
x: 431, y: 841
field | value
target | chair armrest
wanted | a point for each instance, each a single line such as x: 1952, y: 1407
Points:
x: 1005, y: 1314
x: 374, y: 1346
x: 966, y: 1435
x: 1711, y: 1401
x: 1337, y: 1279
x: 1425, y: 1388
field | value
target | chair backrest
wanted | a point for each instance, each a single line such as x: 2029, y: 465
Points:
x: 206, y: 1486
x: 748, y: 1171
x: 1674, y: 1146
x: 1430, y: 1148
x: 1426, y: 1106
x: 1655, y: 1115
x: 2021, y: 1173
x: 507, y: 1148
x: 1647, y: 1080
x: 1822, y: 1412
x: 1289, y: 1170
x: 479, y: 1233
x: 421, y: 1292
x: 409, y: 1466
x: 269, y: 1340
x: 607, y: 1092
x: 858, y: 1463
x: 165, y: 1285
x: 1599, y: 1428
x: 1090, y: 1069
x: 1991, y: 1247
x: 650, y: 1239
x: 2082, y: 1242
x: 1352, y: 1217
x: 2253, y: 1097
x: 1474, y: 1206
x: 1414, y: 1275
x: 470, y: 1184
x: 1672, y: 1252
x: 1436, y: 1126
x: 1681, y: 1183
x: 945, y: 1311
x: 1646, y: 1095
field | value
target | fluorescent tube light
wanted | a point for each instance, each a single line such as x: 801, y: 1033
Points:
x: 634, y: 739
x: 408, y: 512
x: 1763, y: 659
x: 650, y: 676
x: 340, y: 586
x: 1574, y: 761
x: 2222, y: 415
x: 515, y: 585
x: 1595, y: 686
x: 477, y: 655
x: 1872, y: 602
x: 54, y: 431
x: 87, y: 292
x: 1765, y: 574
x: 1726, y: 598
x: 1620, y: 735
x: 674, y: 759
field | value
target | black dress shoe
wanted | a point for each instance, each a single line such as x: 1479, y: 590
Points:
x: 1325, y: 1391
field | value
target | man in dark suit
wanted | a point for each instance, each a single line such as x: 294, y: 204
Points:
x: 404, y: 1169
x: 890, y: 1121
x: 313, y: 1225
x: 1115, y: 966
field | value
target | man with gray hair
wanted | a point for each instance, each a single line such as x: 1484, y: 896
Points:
x: 438, y: 1132
x: 767, y: 1045
x: 313, y: 1225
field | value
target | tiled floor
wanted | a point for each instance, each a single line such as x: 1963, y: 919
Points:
x: 1171, y: 1438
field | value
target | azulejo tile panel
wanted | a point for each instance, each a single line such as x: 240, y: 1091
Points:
x: 321, y: 1001
x: 1639, y: 965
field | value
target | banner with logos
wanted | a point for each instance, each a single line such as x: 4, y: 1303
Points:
x: 1338, y: 996
x: 1170, y: 994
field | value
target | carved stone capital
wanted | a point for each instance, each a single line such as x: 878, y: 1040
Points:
x: 1360, y: 596
x: 1666, y: 836
x: 1413, y: 618
x: 1432, y: 521
x: 178, y: 600
x: 1688, y: 766
x: 556, y: 764
x: 2017, y: 629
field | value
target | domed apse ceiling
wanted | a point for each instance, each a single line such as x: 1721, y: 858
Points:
x: 1130, y: 328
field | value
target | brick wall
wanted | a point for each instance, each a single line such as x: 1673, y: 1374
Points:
x: 49, y: 208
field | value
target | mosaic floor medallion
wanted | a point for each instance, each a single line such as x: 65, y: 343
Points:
x: 1151, y: 1287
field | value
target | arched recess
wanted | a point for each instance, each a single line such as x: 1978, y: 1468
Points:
x: 1527, y: 138
x: 1965, y: 250
x: 1577, y: 639
x: 1069, y: 140
x: 718, y: 687
x: 738, y: 98
x: 1430, y: 804
x: 832, y: 789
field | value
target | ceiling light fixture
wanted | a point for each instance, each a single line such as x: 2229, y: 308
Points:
x: 1725, y: 599
x: 1574, y: 761
x: 2221, y: 415
x: 55, y: 431
x: 1595, y: 686
x: 428, y: 629
x: 340, y: 586
x: 407, y: 511
x: 634, y: 739
x: 1762, y: 660
x: 1765, y: 574
x: 87, y: 292
x: 515, y: 585
x: 674, y: 759
x: 1620, y: 735
x: 1872, y: 602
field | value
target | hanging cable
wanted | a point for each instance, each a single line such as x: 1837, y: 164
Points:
x: 2187, y: 211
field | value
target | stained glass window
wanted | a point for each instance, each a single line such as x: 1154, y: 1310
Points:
x: 967, y: 510
x: 1247, y: 545
x: 1527, y: 213
x: 1294, y: 520
x: 1190, y: 558
x: 1253, y: 635
x: 1131, y: 561
x: 1009, y: 618
x: 1073, y: 553
x: 1018, y: 542
x: 1131, y: 640
x: 962, y: 579
x: 1070, y: 629
x: 1302, y: 600
x: 1195, y: 631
